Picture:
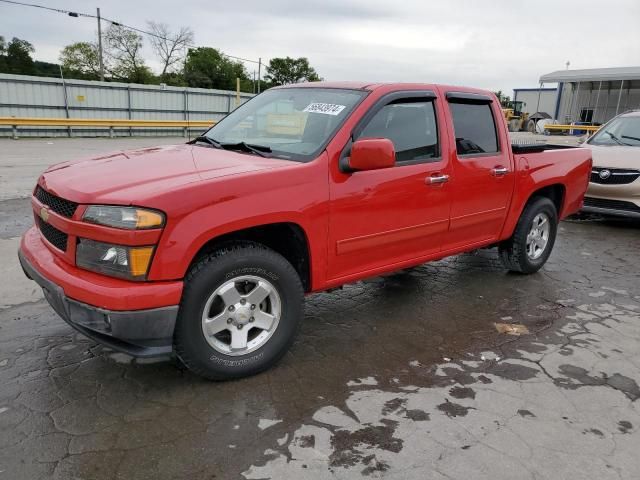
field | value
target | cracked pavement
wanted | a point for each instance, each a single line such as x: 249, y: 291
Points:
x: 399, y: 377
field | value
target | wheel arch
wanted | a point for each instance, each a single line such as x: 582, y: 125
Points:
x: 288, y: 239
x: 556, y: 192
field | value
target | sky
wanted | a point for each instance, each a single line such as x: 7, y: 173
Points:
x: 493, y: 44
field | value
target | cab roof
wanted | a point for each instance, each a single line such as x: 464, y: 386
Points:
x: 369, y: 86
x: 345, y: 85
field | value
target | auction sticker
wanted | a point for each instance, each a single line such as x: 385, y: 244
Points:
x: 326, y: 108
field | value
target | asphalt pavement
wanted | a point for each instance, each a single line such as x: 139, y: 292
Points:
x: 452, y: 370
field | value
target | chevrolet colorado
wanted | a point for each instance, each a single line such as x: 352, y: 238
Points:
x: 207, y: 249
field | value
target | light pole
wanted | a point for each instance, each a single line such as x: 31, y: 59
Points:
x: 259, y: 71
x: 100, y: 47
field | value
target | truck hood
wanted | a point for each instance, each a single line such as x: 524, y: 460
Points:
x: 130, y: 177
x: 615, y: 156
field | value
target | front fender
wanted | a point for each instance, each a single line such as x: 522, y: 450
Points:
x: 297, y: 195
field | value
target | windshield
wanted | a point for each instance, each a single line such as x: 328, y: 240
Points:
x: 619, y: 131
x: 290, y: 123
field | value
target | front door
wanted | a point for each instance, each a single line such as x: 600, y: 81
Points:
x: 483, y: 178
x: 379, y: 218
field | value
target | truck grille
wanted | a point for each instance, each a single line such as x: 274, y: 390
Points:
x: 59, y: 205
x: 611, y: 204
x: 54, y: 236
x: 617, y: 176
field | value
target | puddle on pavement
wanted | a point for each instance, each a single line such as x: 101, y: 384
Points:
x: 536, y: 401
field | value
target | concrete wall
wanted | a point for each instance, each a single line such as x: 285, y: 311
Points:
x: 530, y: 97
x: 27, y: 96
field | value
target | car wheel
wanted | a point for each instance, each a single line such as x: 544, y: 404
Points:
x: 533, y: 239
x: 240, y: 310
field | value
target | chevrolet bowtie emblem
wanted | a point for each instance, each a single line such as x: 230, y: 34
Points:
x: 44, y: 214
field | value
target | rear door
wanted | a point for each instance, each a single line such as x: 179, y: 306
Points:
x: 382, y: 217
x: 482, y: 180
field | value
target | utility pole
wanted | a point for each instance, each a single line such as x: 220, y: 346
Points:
x: 259, y: 68
x: 66, y: 98
x: 100, y: 47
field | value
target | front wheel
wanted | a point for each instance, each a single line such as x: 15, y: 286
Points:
x: 533, y: 239
x: 240, y: 310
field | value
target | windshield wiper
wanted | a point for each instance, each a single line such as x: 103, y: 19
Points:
x: 205, y: 139
x: 631, y: 138
x: 615, y: 139
x: 262, y: 150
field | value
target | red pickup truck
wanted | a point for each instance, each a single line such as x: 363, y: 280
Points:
x: 207, y: 249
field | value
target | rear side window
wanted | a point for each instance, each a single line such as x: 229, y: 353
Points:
x: 411, y: 126
x: 475, y: 128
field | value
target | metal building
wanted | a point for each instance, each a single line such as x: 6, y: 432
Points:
x: 536, y: 99
x: 594, y: 95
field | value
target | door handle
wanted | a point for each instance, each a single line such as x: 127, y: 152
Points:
x: 499, y: 171
x: 437, y: 179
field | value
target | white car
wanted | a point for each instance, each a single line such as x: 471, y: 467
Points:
x: 614, y: 187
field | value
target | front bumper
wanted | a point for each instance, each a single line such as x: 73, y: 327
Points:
x: 617, y: 199
x: 144, y: 332
x: 611, y: 206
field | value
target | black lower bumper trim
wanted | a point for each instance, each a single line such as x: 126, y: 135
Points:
x: 611, y: 211
x: 141, y: 333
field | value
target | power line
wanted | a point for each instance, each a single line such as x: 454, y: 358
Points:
x: 71, y: 14
x: 118, y: 24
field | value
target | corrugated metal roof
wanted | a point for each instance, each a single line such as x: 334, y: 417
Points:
x: 592, y: 75
x: 535, y: 89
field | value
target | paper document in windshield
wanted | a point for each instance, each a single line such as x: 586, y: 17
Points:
x: 325, y: 108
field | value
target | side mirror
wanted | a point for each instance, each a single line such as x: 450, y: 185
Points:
x: 372, y: 154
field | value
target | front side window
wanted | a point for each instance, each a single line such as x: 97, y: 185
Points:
x: 619, y: 131
x: 474, y: 128
x: 411, y: 126
x: 290, y: 123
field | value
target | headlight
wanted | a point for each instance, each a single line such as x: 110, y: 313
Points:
x: 131, y: 218
x: 131, y: 263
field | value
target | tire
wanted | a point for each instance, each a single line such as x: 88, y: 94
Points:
x: 517, y: 254
x: 531, y: 126
x: 218, y: 282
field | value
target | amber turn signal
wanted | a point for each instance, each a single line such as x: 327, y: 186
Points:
x: 140, y: 258
x: 148, y: 219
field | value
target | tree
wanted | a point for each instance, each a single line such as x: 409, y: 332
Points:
x: 175, y: 79
x: 46, y: 69
x: 282, y: 71
x: 504, y: 100
x: 207, y: 67
x: 124, y: 52
x: 3, y: 54
x: 81, y: 60
x: 15, y: 57
x: 169, y: 47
